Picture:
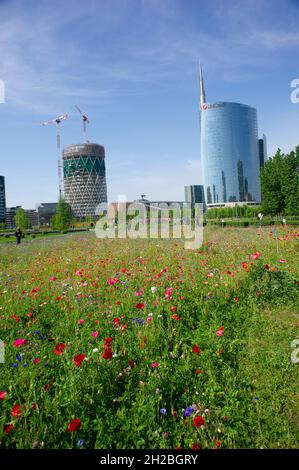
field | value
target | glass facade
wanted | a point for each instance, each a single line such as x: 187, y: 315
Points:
x: 230, y: 153
x: 2, y: 199
x: 194, y: 193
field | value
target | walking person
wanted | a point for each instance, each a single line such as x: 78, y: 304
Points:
x: 18, y: 235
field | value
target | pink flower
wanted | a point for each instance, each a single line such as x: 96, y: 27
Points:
x: 168, y: 293
x: 211, y: 275
x: 255, y: 255
x: 155, y: 365
x: 113, y: 281
x: 53, y: 278
x: 95, y: 334
x: 79, y: 273
x: 282, y: 260
x: 2, y: 395
x: 81, y: 321
x: 138, y: 293
x: 220, y: 331
x: 19, y: 342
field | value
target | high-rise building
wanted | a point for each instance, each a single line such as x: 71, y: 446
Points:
x: 229, y: 152
x: 10, y: 216
x: 194, y: 193
x: 2, y: 199
x: 84, y: 177
x: 263, y: 150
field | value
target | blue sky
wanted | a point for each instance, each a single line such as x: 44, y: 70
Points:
x: 132, y: 66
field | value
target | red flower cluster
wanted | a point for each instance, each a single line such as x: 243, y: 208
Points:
x: 107, y: 354
x: 16, y: 411
x: 59, y: 348
x: 196, y: 349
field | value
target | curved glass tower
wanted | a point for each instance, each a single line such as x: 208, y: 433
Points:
x: 229, y: 152
x: 84, y: 178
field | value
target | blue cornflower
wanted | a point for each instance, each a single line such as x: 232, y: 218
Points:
x: 80, y: 442
x: 163, y: 411
x: 188, y: 411
x: 15, y: 364
x: 25, y: 364
x: 37, y: 332
x: 18, y: 357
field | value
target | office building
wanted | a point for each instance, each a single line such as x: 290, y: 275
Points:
x: 84, y: 176
x: 2, y: 200
x: 229, y: 152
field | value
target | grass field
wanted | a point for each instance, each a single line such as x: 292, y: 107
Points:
x: 139, y: 344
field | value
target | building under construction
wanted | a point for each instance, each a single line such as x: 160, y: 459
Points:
x: 84, y: 177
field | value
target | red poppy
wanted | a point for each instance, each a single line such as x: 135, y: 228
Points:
x: 59, y: 348
x: 8, y: 428
x: 16, y: 411
x: 196, y: 349
x: 107, y: 354
x: 107, y: 341
x: 196, y: 446
x: 74, y: 425
x: 35, y: 360
x: 140, y: 305
x: 175, y: 316
x: 78, y: 359
x: 198, y: 421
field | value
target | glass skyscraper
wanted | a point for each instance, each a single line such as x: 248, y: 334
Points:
x: 2, y: 200
x: 229, y: 152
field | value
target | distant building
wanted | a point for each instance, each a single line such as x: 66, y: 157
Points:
x: 32, y: 217
x: 194, y: 193
x: 263, y: 150
x: 45, y: 212
x: 10, y: 216
x: 2, y: 199
x: 84, y: 176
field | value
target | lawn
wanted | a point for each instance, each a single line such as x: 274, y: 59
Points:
x: 140, y: 344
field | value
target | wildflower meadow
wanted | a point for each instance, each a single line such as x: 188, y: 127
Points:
x: 142, y: 344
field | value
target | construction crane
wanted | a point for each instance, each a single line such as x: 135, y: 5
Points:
x: 57, y: 121
x: 85, y: 121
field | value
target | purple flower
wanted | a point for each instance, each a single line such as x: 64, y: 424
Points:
x: 189, y: 411
x: 163, y: 411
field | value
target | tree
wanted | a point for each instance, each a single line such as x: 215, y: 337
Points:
x: 21, y: 219
x: 63, y: 216
x: 280, y: 184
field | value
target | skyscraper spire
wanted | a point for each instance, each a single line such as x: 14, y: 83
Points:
x: 202, y: 90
